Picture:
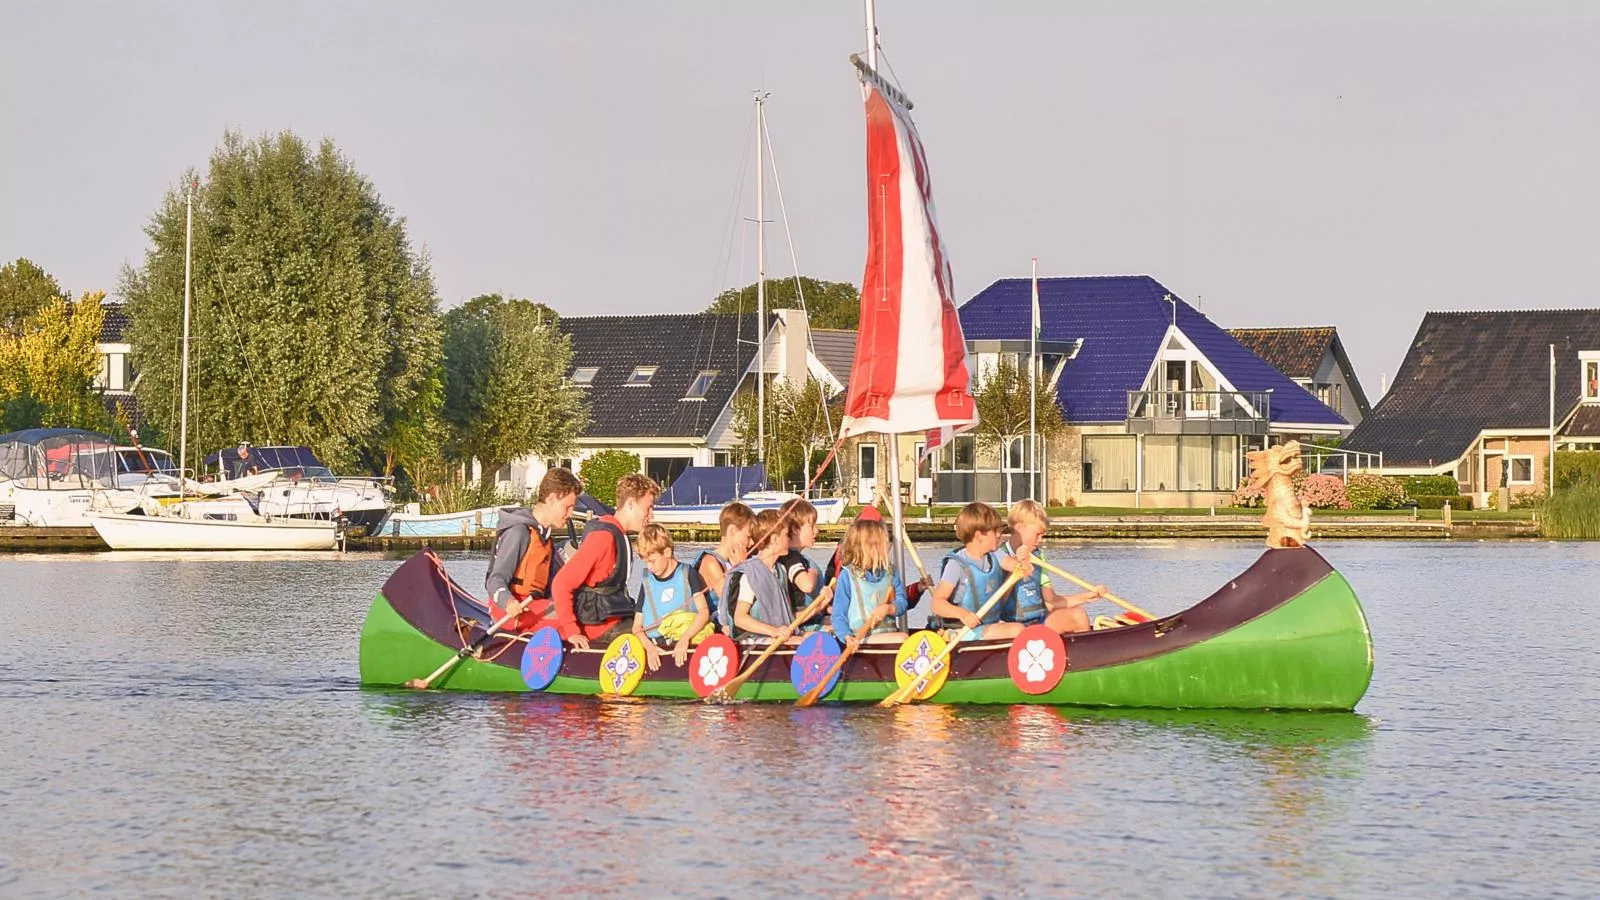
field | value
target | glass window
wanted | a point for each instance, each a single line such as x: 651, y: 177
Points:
x: 1521, y: 470
x: 641, y: 376
x: 584, y: 374
x: 1016, y: 454
x: 964, y: 452
x: 1194, y: 463
x: 702, y: 384
x: 1591, y: 379
x: 867, y: 456
x: 1161, y: 463
x: 721, y: 458
x: 1225, y: 461
x: 1108, y: 463
x: 665, y: 469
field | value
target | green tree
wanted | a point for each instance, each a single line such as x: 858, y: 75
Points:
x: 801, y: 421
x: 506, y: 392
x: 602, y: 471
x: 24, y: 290
x: 47, y: 371
x: 314, y: 322
x: 828, y: 304
x: 1001, y: 399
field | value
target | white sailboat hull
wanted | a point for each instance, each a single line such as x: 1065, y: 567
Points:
x: 125, y: 532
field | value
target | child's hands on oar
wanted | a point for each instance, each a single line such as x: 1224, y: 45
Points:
x: 914, y: 686
x: 1098, y: 589
x: 852, y: 644
x: 731, y: 689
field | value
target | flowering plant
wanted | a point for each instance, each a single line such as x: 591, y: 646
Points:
x: 1323, y: 492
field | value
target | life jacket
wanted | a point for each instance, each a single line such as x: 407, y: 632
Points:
x: 798, y: 599
x: 532, y: 577
x: 976, y: 585
x: 1026, y: 604
x: 665, y: 596
x: 771, y: 604
x: 594, y: 604
x: 865, y: 596
x: 714, y: 597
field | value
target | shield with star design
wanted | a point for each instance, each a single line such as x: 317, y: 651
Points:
x: 917, y: 657
x: 622, y: 666
x: 541, y: 659
x: 813, y: 659
x: 1037, y: 659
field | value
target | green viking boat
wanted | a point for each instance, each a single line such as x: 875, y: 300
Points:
x: 1287, y: 633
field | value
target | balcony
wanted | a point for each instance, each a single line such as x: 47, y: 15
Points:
x: 1199, y: 412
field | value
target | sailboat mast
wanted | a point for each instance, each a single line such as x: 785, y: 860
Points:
x: 1033, y: 379
x: 761, y: 277
x: 188, y: 265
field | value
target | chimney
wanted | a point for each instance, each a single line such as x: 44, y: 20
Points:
x: 794, y: 345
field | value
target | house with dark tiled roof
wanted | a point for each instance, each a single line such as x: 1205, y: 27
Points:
x: 1476, y: 397
x: 1315, y: 358
x: 1161, y: 404
x: 116, y: 354
x: 663, y: 386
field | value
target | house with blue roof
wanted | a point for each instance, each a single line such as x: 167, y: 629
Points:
x: 1161, y: 403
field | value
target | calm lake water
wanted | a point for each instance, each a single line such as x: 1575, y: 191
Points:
x: 194, y: 725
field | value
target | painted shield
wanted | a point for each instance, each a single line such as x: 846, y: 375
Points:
x: 916, y: 658
x: 622, y: 665
x: 541, y: 659
x: 1037, y: 660
x: 812, y: 660
x: 714, y: 663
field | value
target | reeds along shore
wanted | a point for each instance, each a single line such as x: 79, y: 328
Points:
x: 1572, y: 514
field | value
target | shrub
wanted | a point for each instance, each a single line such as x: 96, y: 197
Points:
x: 1366, y: 491
x: 1323, y: 492
x: 1437, y: 501
x: 602, y: 471
x: 1247, y: 497
x: 1431, y: 485
x: 1574, y: 467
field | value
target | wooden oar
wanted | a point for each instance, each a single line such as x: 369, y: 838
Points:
x: 914, y: 685
x: 515, y: 609
x: 1057, y: 570
x: 729, y: 690
x: 815, y: 693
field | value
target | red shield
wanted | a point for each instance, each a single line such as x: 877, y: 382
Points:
x: 1037, y: 660
x: 714, y: 663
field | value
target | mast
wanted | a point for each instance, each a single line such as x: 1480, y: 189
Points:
x: 761, y: 277
x: 1033, y: 378
x: 183, y: 404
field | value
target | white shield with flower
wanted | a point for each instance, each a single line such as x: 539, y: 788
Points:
x: 713, y: 666
x: 1036, y: 660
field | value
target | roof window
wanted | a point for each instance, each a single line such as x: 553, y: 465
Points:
x: 583, y: 375
x: 641, y: 377
x: 1591, y: 377
x: 701, y: 385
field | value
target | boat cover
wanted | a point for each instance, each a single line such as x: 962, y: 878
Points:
x: 705, y: 485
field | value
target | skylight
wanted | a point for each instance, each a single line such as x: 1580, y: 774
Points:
x: 641, y: 376
x: 584, y: 374
x: 701, y: 384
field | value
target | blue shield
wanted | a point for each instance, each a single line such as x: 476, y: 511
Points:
x: 812, y: 660
x: 541, y: 659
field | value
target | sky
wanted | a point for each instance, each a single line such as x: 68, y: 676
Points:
x: 1353, y: 164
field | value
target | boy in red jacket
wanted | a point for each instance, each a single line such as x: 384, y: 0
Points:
x: 590, y: 591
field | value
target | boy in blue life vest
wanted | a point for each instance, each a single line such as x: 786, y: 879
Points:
x: 734, y: 524
x: 672, y: 600
x: 971, y: 574
x: 870, y: 594
x: 1034, y: 599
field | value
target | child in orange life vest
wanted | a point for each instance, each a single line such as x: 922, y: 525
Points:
x: 672, y: 600
x: 870, y: 593
x: 1034, y: 599
x: 524, y: 563
x: 734, y: 523
x: 758, y: 596
x: 972, y: 574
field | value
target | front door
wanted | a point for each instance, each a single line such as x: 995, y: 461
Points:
x: 866, y: 472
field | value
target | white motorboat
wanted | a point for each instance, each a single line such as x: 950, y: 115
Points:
x: 305, y: 488
x: 55, y: 477
x: 122, y: 531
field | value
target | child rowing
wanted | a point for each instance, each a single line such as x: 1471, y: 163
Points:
x: 734, y: 524
x: 671, y: 602
x: 523, y: 563
x: 1034, y: 599
x: 590, y: 593
x: 870, y: 592
x: 758, y: 598
x: 801, y: 577
x: 972, y: 574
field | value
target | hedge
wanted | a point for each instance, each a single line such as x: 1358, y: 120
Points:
x: 1430, y: 485
x: 1574, y: 467
x: 1437, y: 501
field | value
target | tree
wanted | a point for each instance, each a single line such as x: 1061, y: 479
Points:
x: 801, y: 421
x: 24, y: 290
x: 602, y: 471
x: 506, y: 392
x: 313, y: 320
x: 47, y: 371
x: 1002, y: 402
x: 828, y: 304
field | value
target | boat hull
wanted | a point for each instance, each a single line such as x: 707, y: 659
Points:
x: 127, y: 532
x: 1288, y: 633
x: 402, y: 524
x: 828, y: 511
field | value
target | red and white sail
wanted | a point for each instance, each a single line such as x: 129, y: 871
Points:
x: 910, y: 372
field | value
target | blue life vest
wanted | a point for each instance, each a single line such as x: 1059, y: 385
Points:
x: 1026, y: 604
x: 865, y: 596
x: 713, y: 596
x: 664, y: 596
x: 976, y: 585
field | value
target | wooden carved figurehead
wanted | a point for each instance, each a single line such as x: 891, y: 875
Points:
x: 1273, y: 470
